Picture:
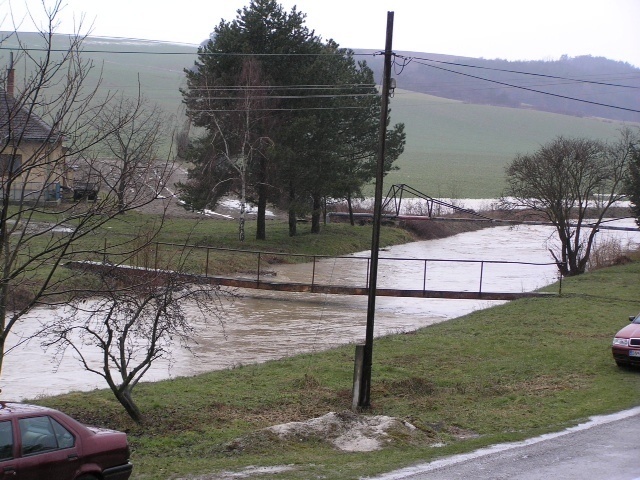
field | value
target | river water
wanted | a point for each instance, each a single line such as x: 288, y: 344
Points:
x: 261, y: 325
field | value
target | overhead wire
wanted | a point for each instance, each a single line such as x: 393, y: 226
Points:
x: 574, y: 80
x: 281, y: 109
x: 520, y: 87
x: 198, y: 53
x: 293, y: 97
x: 399, y: 66
x: 288, y: 87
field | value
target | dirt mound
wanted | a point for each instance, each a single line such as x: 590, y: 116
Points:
x: 347, y: 431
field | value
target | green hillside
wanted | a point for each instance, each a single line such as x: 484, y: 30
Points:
x: 160, y: 69
x: 460, y: 150
x: 454, y: 149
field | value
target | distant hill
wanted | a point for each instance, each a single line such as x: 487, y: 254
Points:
x: 461, y: 132
x: 594, y: 79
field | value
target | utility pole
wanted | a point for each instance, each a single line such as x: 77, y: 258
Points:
x: 364, y: 400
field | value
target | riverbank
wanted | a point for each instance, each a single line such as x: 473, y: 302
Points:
x: 501, y: 374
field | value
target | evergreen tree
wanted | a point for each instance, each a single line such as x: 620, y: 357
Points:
x: 305, y: 123
x: 216, y: 98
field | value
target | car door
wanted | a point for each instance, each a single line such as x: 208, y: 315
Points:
x: 8, y: 461
x: 47, y: 450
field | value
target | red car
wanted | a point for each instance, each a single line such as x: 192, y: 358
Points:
x: 626, y: 344
x: 42, y: 443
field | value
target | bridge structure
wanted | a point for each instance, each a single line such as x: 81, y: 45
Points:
x: 435, y: 208
x: 315, y: 274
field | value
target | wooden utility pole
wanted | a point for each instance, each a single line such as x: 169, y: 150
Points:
x: 364, y: 400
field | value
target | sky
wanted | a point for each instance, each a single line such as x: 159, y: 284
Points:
x: 508, y: 29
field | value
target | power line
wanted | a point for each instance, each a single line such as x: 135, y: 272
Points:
x: 577, y: 80
x: 222, y: 110
x: 292, y: 86
x: 285, y: 97
x: 531, y: 89
x: 407, y: 60
x: 338, y: 54
x: 221, y: 54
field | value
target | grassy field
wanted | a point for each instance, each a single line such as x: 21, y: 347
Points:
x: 458, y: 150
x: 502, y: 374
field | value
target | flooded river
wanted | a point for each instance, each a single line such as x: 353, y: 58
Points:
x: 261, y: 325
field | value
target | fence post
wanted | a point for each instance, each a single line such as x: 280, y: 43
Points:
x: 104, y: 252
x: 357, y: 376
x: 206, y: 266
x: 481, y: 273
x: 155, y: 260
x: 258, y: 279
x: 313, y: 273
x: 424, y: 276
x: 367, y: 281
x: 560, y: 275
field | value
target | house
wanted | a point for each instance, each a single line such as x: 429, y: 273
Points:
x: 32, y: 157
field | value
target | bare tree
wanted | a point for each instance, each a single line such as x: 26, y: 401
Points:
x: 227, y: 155
x: 47, y: 122
x: 570, y: 181
x: 138, y: 317
x: 130, y: 153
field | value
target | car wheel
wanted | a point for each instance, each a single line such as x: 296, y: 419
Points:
x: 621, y: 364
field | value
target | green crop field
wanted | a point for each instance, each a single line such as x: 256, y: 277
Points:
x: 460, y: 150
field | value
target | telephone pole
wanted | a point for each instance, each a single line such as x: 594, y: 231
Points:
x: 364, y: 400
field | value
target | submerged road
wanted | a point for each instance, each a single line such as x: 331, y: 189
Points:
x: 605, y: 448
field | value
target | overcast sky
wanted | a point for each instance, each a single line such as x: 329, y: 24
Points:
x: 510, y: 29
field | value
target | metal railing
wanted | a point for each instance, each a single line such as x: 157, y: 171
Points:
x: 317, y: 270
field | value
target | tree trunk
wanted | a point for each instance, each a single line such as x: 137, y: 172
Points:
x: 293, y: 225
x: 315, y: 214
x: 261, y: 226
x: 3, y: 337
x: 350, y: 206
x: 324, y: 210
x: 120, y: 193
x: 243, y: 209
x: 125, y: 399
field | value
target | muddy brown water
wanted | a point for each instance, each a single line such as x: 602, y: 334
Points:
x: 260, y: 325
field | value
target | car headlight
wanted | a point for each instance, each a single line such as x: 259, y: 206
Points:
x: 623, y: 342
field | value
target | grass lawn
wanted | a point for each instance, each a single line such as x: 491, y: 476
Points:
x: 501, y: 374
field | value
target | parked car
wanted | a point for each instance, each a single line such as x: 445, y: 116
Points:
x: 85, y: 190
x: 626, y: 344
x: 42, y: 443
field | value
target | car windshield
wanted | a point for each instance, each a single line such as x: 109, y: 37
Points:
x: 637, y: 319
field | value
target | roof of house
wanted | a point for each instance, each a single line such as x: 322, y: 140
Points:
x: 18, y: 123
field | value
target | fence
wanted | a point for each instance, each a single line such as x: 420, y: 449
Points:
x: 348, y: 271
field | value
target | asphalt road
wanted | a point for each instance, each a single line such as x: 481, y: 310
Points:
x: 605, y: 448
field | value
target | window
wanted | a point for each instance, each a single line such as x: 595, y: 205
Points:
x: 6, y: 440
x: 65, y: 437
x: 41, y: 434
x: 5, y: 163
